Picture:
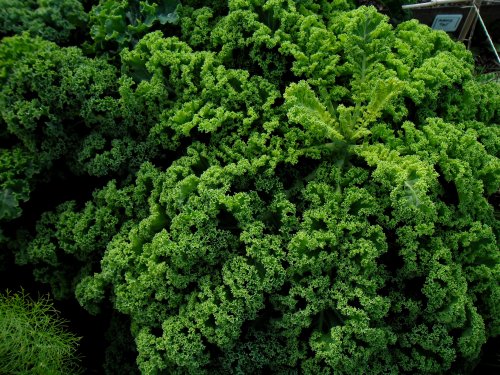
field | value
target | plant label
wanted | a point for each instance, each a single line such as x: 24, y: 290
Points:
x: 447, y: 22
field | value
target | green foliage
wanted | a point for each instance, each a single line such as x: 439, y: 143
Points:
x: 54, y: 20
x: 17, y: 168
x: 284, y: 186
x: 125, y: 21
x: 50, y: 95
x: 33, y: 339
x: 393, y: 8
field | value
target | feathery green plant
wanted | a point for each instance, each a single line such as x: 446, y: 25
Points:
x: 33, y: 338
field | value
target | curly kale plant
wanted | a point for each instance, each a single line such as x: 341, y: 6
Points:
x: 285, y: 186
x: 124, y: 20
x: 54, y: 20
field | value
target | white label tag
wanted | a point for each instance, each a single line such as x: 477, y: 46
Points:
x: 447, y: 22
